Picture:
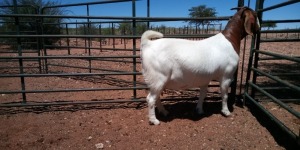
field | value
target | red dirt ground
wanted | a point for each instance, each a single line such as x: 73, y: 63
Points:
x: 122, y: 126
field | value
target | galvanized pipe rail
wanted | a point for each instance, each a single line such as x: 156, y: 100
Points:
x: 118, y: 17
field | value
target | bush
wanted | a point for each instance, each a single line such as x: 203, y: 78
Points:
x: 30, y: 26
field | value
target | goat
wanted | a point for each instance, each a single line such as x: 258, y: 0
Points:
x: 180, y: 64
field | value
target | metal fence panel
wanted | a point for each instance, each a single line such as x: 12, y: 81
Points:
x: 273, y: 75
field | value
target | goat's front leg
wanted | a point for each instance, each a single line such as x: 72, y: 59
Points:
x: 203, y: 92
x: 224, y: 93
x: 151, y: 99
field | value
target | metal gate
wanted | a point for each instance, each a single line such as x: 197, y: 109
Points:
x: 94, y: 66
x: 273, y: 82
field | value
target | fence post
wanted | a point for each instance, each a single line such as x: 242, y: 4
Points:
x: 134, y: 47
x: 100, y: 40
x: 76, y: 32
x: 148, y: 13
x: 259, y: 15
x: 20, y: 52
x: 39, y: 43
x: 113, y: 33
x: 68, y: 40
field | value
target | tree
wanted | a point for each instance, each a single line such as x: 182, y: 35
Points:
x: 126, y: 28
x: 141, y: 27
x: 268, y: 25
x: 201, y: 11
x: 33, y: 25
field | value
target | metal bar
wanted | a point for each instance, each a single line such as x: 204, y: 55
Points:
x: 16, y: 60
x: 11, y: 32
x: 283, y: 105
x: 102, y: 36
x: 68, y: 41
x: 292, y: 86
x: 290, y: 100
x: 19, y: 50
x: 279, y: 5
x: 68, y: 74
x: 224, y: 18
x: 24, y: 51
x: 19, y: 67
x: 281, y: 31
x: 57, y: 103
x: 275, y: 88
x: 295, y: 59
x: 3, y: 6
x: 68, y: 36
x: 72, y: 90
x: 272, y: 58
x: 78, y: 67
x: 281, y: 21
x: 272, y: 118
x: 120, y: 21
x: 82, y: 47
x: 134, y: 46
x: 87, y: 3
x: 95, y: 22
x: 148, y: 13
x: 67, y: 57
x: 63, y: 102
x: 112, y: 60
x: 259, y: 5
x: 286, y: 74
x: 89, y: 39
x: 9, y: 67
x: 280, y: 40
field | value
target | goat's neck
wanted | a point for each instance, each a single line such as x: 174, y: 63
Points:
x: 235, y: 32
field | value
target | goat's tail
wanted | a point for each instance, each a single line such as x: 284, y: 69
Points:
x: 150, y: 34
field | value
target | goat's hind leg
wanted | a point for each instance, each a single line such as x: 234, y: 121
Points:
x: 161, y: 108
x: 203, y: 92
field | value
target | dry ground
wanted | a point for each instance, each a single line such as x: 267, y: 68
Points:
x: 124, y: 126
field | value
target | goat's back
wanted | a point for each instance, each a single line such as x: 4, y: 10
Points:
x: 185, y: 63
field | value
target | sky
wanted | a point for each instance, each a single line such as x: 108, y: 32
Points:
x: 179, y: 8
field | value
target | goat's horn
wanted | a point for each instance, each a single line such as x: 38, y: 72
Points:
x: 235, y: 8
x: 238, y: 8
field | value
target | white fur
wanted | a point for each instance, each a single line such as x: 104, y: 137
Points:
x: 180, y: 64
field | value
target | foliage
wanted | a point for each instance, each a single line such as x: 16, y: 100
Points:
x: 126, y: 28
x: 268, y: 25
x: 88, y: 29
x: 29, y: 25
x: 141, y: 27
x: 201, y: 11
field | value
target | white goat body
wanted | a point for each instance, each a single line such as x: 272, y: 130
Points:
x: 180, y: 64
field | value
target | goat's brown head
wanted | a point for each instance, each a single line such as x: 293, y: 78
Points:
x: 243, y: 23
x: 251, y: 22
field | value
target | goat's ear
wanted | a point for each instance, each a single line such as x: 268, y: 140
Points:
x: 250, y: 23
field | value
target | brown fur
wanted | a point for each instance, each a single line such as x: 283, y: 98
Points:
x: 243, y: 23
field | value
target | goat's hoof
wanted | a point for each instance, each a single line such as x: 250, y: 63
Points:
x: 154, y: 122
x: 226, y: 113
